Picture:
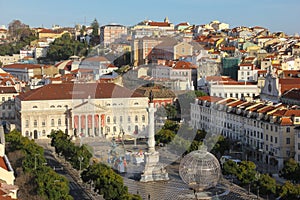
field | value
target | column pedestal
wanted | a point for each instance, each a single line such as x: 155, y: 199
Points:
x: 153, y: 171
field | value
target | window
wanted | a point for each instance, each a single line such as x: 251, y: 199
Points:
x: 267, y: 137
x: 271, y: 138
x: 35, y: 123
x: 44, y: 133
x: 115, y: 119
x: 114, y: 129
x: 43, y: 123
x: 121, y: 119
x: 288, y: 140
x: 59, y: 122
x: 143, y: 118
x: 136, y: 118
x: 34, y: 106
x: 275, y: 140
x: 27, y: 123
x: 288, y: 129
x: 52, y: 106
x: 52, y: 122
x: 3, y: 98
x: 129, y: 129
x: 108, y: 119
x: 129, y: 119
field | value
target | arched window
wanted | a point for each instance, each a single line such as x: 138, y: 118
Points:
x: 136, y: 118
x: 52, y: 122
x: 52, y: 106
x: 136, y: 103
x: 115, y: 119
x: 59, y: 106
x: 108, y: 119
x: 34, y: 106
x: 143, y: 118
x: 59, y: 122
x: 129, y: 119
x: 44, y: 133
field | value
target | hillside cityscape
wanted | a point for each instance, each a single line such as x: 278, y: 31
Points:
x: 154, y: 110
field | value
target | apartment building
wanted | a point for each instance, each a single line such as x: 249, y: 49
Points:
x: 265, y: 130
x: 112, y: 32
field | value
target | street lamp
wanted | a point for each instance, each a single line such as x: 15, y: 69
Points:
x: 35, y: 161
x: 80, y: 158
x: 257, y: 176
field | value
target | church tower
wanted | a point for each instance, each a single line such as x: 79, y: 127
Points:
x: 271, y: 89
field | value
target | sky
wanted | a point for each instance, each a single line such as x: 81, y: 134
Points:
x: 276, y: 15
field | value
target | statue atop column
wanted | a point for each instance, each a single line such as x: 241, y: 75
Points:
x: 153, y: 171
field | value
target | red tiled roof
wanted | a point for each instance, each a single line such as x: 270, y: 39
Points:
x: 21, y: 66
x: 77, y: 91
x: 265, y: 109
x: 218, y: 78
x: 210, y: 98
x: 289, y: 83
x: 295, y: 113
x: 96, y: 59
x: 3, y: 164
x: 235, y: 103
x: 8, y: 90
x: 286, y: 121
x: 164, y: 24
x: 227, y: 48
x: 184, y: 65
x: 279, y: 113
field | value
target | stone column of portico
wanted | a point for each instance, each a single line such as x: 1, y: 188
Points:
x: 93, y: 125
x: 79, y: 125
x: 86, y: 126
x: 99, y: 125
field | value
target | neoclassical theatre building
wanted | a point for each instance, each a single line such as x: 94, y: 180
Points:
x: 86, y: 109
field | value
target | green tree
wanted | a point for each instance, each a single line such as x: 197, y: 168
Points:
x: 291, y: 170
x: 107, y: 182
x: 267, y: 185
x: 164, y: 136
x: 64, y: 47
x: 95, y: 27
x: 289, y: 191
x: 230, y: 168
x: 246, y: 173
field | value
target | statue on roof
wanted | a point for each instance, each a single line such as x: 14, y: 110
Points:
x: 151, y: 96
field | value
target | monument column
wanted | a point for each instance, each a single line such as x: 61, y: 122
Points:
x: 151, y: 137
x: 153, y: 170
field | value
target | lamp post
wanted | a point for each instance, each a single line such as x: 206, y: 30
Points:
x: 35, y: 161
x: 257, y: 176
x: 80, y: 158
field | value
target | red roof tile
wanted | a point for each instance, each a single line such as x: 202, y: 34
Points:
x: 21, y: 66
x: 164, y: 24
x: 286, y: 121
x: 210, y: 98
x: 3, y: 164
x: 184, y: 65
x: 77, y: 91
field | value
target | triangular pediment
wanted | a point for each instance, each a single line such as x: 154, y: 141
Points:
x: 87, y: 107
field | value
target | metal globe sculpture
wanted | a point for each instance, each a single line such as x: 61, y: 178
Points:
x: 200, y: 170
